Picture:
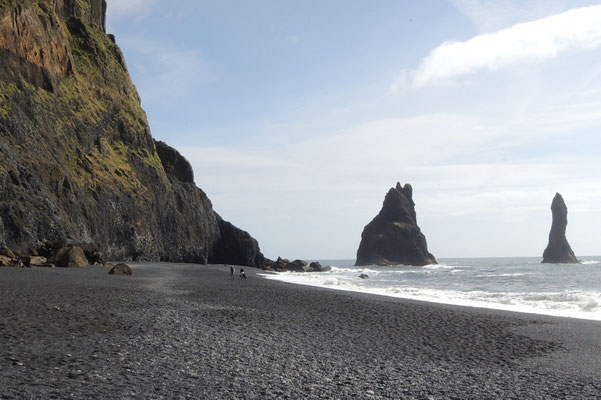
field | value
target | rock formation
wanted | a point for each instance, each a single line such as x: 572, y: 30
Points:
x: 393, y: 236
x: 558, y: 250
x: 121, y: 269
x: 235, y: 246
x: 79, y: 164
x: 285, y: 265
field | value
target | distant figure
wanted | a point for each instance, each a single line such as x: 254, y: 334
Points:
x: 242, y: 273
x: 232, y: 271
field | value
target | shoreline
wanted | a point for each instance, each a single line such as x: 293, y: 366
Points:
x: 177, y: 330
x: 383, y: 295
x: 544, y: 298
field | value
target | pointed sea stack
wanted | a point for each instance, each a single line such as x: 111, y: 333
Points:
x: 558, y: 250
x: 393, y: 236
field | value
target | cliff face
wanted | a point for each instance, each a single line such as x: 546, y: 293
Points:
x: 78, y: 162
x: 393, y: 236
x: 558, y: 250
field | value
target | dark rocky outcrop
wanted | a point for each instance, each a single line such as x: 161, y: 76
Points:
x: 317, y: 267
x: 393, y: 236
x: 174, y: 163
x: 79, y: 164
x: 285, y: 265
x: 558, y: 250
x: 121, y: 269
x: 235, y: 246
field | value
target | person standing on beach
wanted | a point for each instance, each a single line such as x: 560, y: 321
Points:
x: 242, y: 273
x: 232, y: 271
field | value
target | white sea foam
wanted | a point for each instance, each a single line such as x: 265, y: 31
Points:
x: 523, y: 285
x: 438, y: 266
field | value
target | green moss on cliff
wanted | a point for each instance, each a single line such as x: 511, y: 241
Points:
x: 150, y: 159
x: 107, y: 165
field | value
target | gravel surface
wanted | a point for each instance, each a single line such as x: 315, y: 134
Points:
x: 185, y: 331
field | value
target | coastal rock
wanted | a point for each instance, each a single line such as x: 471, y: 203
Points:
x: 79, y: 163
x: 280, y: 264
x: 315, y: 266
x: 363, y: 276
x: 393, y: 236
x: 72, y: 257
x: 121, y: 269
x: 297, y: 266
x: 558, y: 250
x: 34, y: 261
x: 235, y: 246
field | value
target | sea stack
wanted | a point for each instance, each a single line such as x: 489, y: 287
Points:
x: 393, y: 237
x: 558, y: 250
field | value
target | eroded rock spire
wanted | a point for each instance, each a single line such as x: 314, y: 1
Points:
x: 393, y: 236
x: 558, y: 250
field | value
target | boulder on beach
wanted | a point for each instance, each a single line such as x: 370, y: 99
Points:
x: 71, y: 257
x: 35, y: 261
x: 558, y: 250
x: 121, y: 269
x: 393, y: 236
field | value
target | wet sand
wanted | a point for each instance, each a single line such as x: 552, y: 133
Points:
x: 185, y: 331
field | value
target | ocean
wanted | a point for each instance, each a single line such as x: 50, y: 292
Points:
x: 513, y: 284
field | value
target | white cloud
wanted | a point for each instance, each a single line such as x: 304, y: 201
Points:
x: 531, y: 41
x: 491, y: 15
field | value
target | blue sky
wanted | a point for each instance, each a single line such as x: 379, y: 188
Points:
x: 298, y: 116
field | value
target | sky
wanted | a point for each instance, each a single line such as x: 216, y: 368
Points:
x: 298, y: 116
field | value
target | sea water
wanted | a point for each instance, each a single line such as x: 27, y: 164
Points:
x: 513, y: 284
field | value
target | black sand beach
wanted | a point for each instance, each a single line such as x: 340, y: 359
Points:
x: 186, y: 331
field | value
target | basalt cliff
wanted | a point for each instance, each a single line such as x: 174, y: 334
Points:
x: 77, y: 159
x: 393, y: 236
x: 558, y: 250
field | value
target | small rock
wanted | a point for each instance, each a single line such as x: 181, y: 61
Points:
x: 363, y: 276
x: 121, y: 269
